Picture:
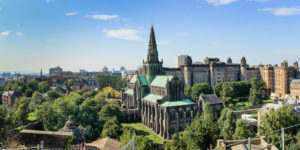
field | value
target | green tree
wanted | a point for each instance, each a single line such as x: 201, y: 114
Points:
x: 275, y: 120
x: 43, y: 86
x: 226, y: 124
x: 200, y: 88
x: 7, y: 120
x: 110, y: 111
x: 112, y: 129
x: 226, y: 94
x: 36, y: 100
x: 52, y: 95
x: 177, y: 142
x: 23, y: 110
x: 258, y: 91
x: 218, y: 89
x: 116, y: 82
x: 242, y: 130
x: 188, y: 91
x: 141, y: 142
x: 202, y: 132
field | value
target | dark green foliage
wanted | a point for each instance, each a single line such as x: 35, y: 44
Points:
x: 202, y: 132
x: 7, y: 121
x: 226, y: 124
x: 23, y: 110
x: 110, y: 111
x: 218, y: 89
x: 112, y: 128
x: 258, y: 91
x: 177, y: 142
x: 116, y: 82
x: 240, y: 89
x: 242, y: 130
x: 275, y: 120
x: 200, y: 88
x: 188, y: 91
x: 18, y: 86
x: 43, y: 86
x: 89, y: 94
x: 36, y: 100
x: 52, y: 95
x: 141, y: 142
x: 227, y: 94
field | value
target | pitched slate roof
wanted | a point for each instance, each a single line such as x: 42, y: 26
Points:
x: 143, y: 79
x: 161, y: 80
x: 133, y: 79
x: 177, y: 103
x: 210, y: 98
x: 129, y: 91
x: 152, y: 98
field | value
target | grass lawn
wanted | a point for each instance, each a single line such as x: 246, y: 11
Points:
x: 268, y: 101
x: 143, y: 130
x: 246, y: 110
x: 31, y: 116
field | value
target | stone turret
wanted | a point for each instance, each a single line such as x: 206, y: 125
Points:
x: 295, y: 64
x: 229, y: 61
x: 71, y: 127
x: 243, y: 62
x: 188, y: 61
x: 284, y: 64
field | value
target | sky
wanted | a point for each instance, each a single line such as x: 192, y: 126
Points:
x: 91, y: 34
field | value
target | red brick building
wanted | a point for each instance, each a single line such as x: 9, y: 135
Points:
x: 9, y: 97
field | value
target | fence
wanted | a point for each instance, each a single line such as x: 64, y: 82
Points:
x: 130, y: 145
x: 282, y: 141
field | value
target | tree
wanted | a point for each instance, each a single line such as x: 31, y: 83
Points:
x: 109, y: 111
x: 218, y: 89
x: 242, y: 130
x: 36, y: 100
x: 141, y: 142
x: 258, y: 91
x: 23, y: 110
x: 200, y: 88
x: 7, y: 120
x: 112, y: 129
x: 177, y: 142
x: 226, y: 94
x: 275, y: 120
x: 226, y: 124
x: 52, y: 95
x: 43, y: 86
x: 116, y: 82
x: 202, y: 132
x: 188, y: 91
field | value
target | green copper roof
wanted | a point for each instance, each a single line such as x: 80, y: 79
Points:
x: 152, y: 98
x: 161, y: 80
x: 133, y: 79
x: 177, y: 103
x: 129, y: 91
x: 143, y: 79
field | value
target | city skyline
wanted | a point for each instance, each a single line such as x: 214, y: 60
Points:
x: 79, y: 35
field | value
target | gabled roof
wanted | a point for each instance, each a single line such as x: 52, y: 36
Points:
x: 161, y: 80
x: 129, y: 91
x: 133, y: 79
x: 152, y: 98
x: 143, y: 79
x: 210, y: 98
x: 177, y: 103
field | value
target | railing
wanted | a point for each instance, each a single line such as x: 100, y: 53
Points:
x: 130, y: 145
x: 282, y: 141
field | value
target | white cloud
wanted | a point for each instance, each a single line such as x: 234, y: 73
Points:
x: 71, y: 13
x: 220, y: 2
x: 283, y: 11
x: 5, y: 33
x: 125, y: 34
x: 102, y: 17
x: 50, y: 1
x: 19, y: 34
x: 183, y: 34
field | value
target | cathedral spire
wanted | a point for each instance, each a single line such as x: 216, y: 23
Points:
x: 152, y: 56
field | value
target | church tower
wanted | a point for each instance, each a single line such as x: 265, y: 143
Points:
x: 152, y: 66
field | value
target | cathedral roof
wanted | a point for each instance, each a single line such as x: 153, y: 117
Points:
x: 142, y: 78
x: 133, y: 79
x: 129, y: 91
x: 152, y: 98
x: 177, y: 103
x: 161, y: 80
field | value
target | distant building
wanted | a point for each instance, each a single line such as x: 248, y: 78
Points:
x: 295, y: 88
x: 105, y: 70
x: 265, y: 109
x: 9, y: 97
x: 89, y: 84
x: 256, y: 143
x: 214, y: 103
x: 55, y: 71
x: 2, y: 82
x: 180, y: 60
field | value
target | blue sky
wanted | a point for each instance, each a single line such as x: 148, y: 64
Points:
x: 90, y: 34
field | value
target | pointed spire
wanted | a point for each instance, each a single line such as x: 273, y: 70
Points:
x: 152, y: 48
